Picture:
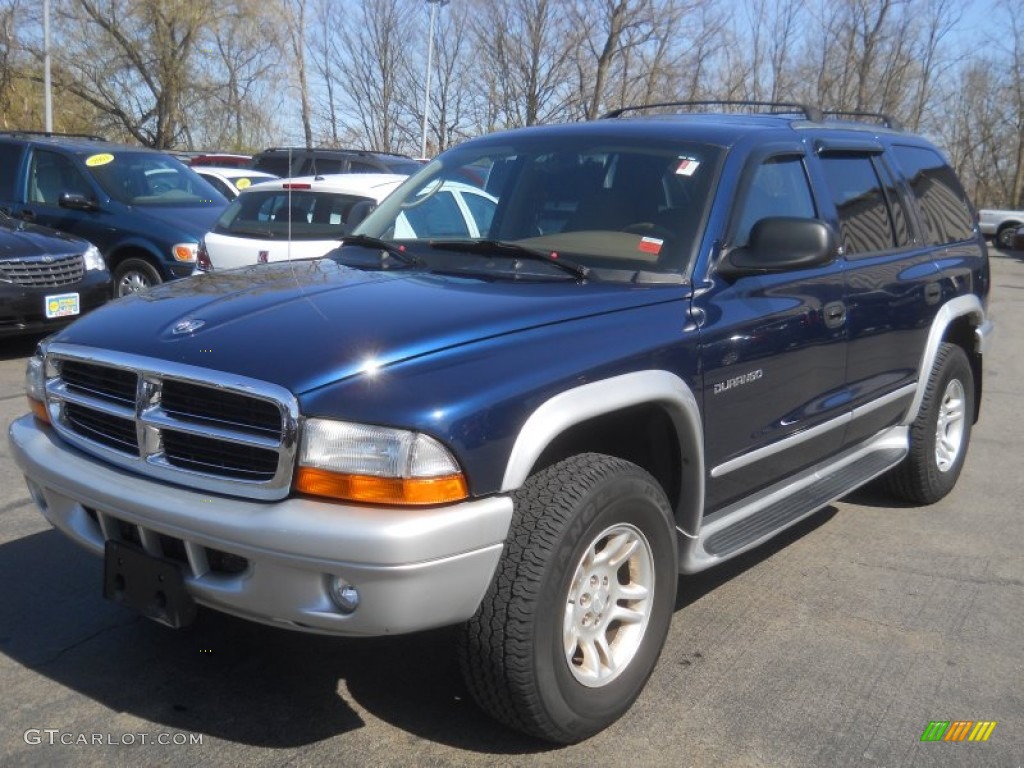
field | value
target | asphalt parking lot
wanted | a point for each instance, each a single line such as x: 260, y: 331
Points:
x: 836, y: 645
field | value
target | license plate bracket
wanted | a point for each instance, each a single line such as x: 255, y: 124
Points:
x: 151, y: 585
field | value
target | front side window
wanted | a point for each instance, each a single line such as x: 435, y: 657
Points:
x: 600, y: 202
x: 778, y: 187
x: 865, y: 219
x: 51, y: 175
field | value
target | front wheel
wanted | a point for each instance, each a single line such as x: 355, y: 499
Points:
x: 941, y: 432
x: 574, y: 620
x: 134, y: 275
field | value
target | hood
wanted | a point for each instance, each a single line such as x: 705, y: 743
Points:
x: 304, y: 325
x: 192, y: 221
x: 20, y: 240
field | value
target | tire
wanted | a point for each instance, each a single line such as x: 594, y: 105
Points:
x: 1004, y: 237
x: 530, y: 654
x: 134, y: 275
x: 933, y: 465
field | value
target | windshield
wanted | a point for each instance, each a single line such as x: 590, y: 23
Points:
x: 151, y: 179
x: 285, y: 213
x: 609, y: 205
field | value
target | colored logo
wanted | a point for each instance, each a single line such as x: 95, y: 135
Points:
x: 958, y: 730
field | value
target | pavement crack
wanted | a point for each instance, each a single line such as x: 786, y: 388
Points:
x: 995, y: 582
x: 78, y: 643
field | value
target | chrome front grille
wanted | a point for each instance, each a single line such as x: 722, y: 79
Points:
x: 43, y: 271
x: 178, y: 423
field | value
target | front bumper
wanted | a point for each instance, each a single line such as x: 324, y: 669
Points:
x: 22, y: 309
x: 414, y: 569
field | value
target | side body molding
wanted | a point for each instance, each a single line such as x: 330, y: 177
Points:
x: 588, y: 401
x: 969, y: 305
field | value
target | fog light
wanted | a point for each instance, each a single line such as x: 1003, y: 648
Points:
x: 344, y: 595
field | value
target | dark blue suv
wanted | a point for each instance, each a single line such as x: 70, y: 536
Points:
x: 144, y: 210
x: 673, y: 337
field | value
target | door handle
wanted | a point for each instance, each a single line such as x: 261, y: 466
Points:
x: 835, y: 314
x: 932, y: 293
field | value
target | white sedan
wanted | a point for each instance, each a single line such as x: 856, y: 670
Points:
x: 231, y: 181
x: 304, y: 218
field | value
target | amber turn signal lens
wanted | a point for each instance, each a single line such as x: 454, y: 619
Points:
x: 381, y: 490
x: 38, y: 410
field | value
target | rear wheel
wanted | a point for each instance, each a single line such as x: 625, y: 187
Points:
x: 134, y: 275
x: 574, y: 621
x: 941, y: 432
x: 1004, y: 237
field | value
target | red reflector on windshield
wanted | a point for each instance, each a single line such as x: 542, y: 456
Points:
x: 297, y: 186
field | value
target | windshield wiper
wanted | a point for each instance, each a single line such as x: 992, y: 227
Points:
x: 390, y: 249
x: 502, y: 248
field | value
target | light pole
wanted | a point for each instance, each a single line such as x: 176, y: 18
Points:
x: 430, y: 56
x: 48, y: 103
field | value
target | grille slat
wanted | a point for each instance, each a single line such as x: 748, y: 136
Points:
x: 236, y: 437
x: 44, y: 271
x: 110, y: 430
x: 111, y: 384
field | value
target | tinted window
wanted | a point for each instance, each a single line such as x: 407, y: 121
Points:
x: 278, y: 214
x: 778, y: 188
x: 357, y: 166
x: 865, y: 221
x: 275, y: 164
x: 10, y: 159
x: 943, y: 203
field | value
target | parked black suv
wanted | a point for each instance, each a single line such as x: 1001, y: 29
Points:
x: 669, y: 339
x: 144, y: 210
x: 299, y: 161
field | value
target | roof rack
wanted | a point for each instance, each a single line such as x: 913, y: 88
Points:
x: 54, y: 134
x: 886, y: 120
x: 777, y: 107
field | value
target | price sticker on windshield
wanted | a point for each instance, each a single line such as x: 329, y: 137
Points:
x: 102, y: 159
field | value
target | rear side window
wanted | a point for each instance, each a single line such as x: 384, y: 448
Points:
x: 866, y: 221
x: 275, y: 164
x: 943, y: 203
x: 10, y: 164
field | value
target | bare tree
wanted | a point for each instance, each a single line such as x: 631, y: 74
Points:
x: 295, y: 13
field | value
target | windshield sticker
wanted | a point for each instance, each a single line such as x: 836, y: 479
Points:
x: 242, y: 184
x: 95, y: 160
x: 687, y: 166
x: 650, y: 245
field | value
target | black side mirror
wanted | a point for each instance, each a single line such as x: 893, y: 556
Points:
x: 782, y: 244
x: 77, y: 202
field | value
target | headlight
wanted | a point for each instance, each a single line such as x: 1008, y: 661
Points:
x: 184, y: 252
x: 376, y: 464
x: 94, y: 259
x: 35, y: 385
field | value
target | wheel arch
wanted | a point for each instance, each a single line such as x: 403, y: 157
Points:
x: 961, y: 321
x: 135, y: 250
x: 650, y: 418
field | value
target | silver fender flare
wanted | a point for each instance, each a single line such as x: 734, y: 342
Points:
x: 954, y: 308
x: 587, y: 401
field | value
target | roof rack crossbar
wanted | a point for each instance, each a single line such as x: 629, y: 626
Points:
x: 885, y: 119
x: 54, y: 134
x: 777, y: 107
